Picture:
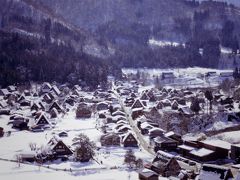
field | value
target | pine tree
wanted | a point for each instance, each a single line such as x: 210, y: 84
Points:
x: 84, y: 148
x: 130, y: 158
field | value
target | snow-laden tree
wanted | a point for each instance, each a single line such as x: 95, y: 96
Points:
x: 209, y: 96
x: 84, y: 148
x: 130, y: 158
x: 139, y: 163
x: 195, y: 105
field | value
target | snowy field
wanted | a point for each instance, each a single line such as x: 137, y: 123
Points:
x: 18, y: 141
x: 231, y: 137
x: 11, y: 171
x: 184, y: 77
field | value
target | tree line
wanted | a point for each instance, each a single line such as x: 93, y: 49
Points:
x: 24, y: 59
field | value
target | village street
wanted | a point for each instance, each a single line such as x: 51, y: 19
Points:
x: 142, y: 142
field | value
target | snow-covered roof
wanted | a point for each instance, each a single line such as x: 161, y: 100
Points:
x: 5, y: 91
x: 170, y: 133
x: 164, y: 154
x: 155, y: 129
x: 137, y: 109
x: 28, y: 154
x: 56, y: 90
x: 218, y: 143
x: 201, y: 152
x: 3, y: 103
x: 186, y: 147
x: 46, y: 85
x: 118, y: 112
x: 146, y: 125
x: 128, y: 134
x: 160, y: 139
x: 148, y: 173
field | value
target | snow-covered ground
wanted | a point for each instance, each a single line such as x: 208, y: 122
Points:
x: 11, y: 171
x: 19, y: 142
x: 191, y: 72
x: 184, y: 77
x: 162, y: 43
x: 231, y: 137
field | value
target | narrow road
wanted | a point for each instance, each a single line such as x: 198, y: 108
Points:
x: 141, y: 140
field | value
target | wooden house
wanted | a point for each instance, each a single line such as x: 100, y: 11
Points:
x: 174, y: 136
x: 185, y: 111
x: 27, y: 156
x: 63, y: 134
x: 36, y: 106
x: 137, y: 112
x: 42, y: 105
x: 4, y: 92
x: 42, y: 121
x: 76, y: 93
x: 226, y: 100
x: 83, y: 111
x: 20, y: 124
x: 202, y: 154
x: 235, y: 152
x: 58, y: 148
x: 25, y: 102
x: 118, y: 112
x: 56, y: 106
x: 56, y: 91
x: 150, y: 93
x: 133, y: 95
x: 5, y: 111
x: 155, y: 132
x: 147, y: 174
x: 164, y: 143
x: 145, y: 127
x: 210, y: 171
x: 3, y: 104
x: 76, y: 87
x: 159, y: 105
x: 137, y: 104
x: 110, y: 139
x: 35, y: 94
x: 129, y: 140
x: 129, y: 102
x: 47, y: 98
x: 122, y: 128
x: 102, y: 106
x: 46, y: 87
x: 186, y: 148
x: 21, y: 98
x: 11, y: 88
x: 153, y: 114
x: 167, y: 77
x: 165, y: 166
x: 27, y: 93
x: 221, y: 148
x: 144, y: 97
x: 175, y: 105
x: 70, y: 101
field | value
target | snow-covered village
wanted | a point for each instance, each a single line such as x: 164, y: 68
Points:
x: 153, y: 124
x: 120, y: 89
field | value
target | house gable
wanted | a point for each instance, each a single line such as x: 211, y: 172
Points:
x: 137, y: 104
x: 42, y: 121
x: 61, y: 149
